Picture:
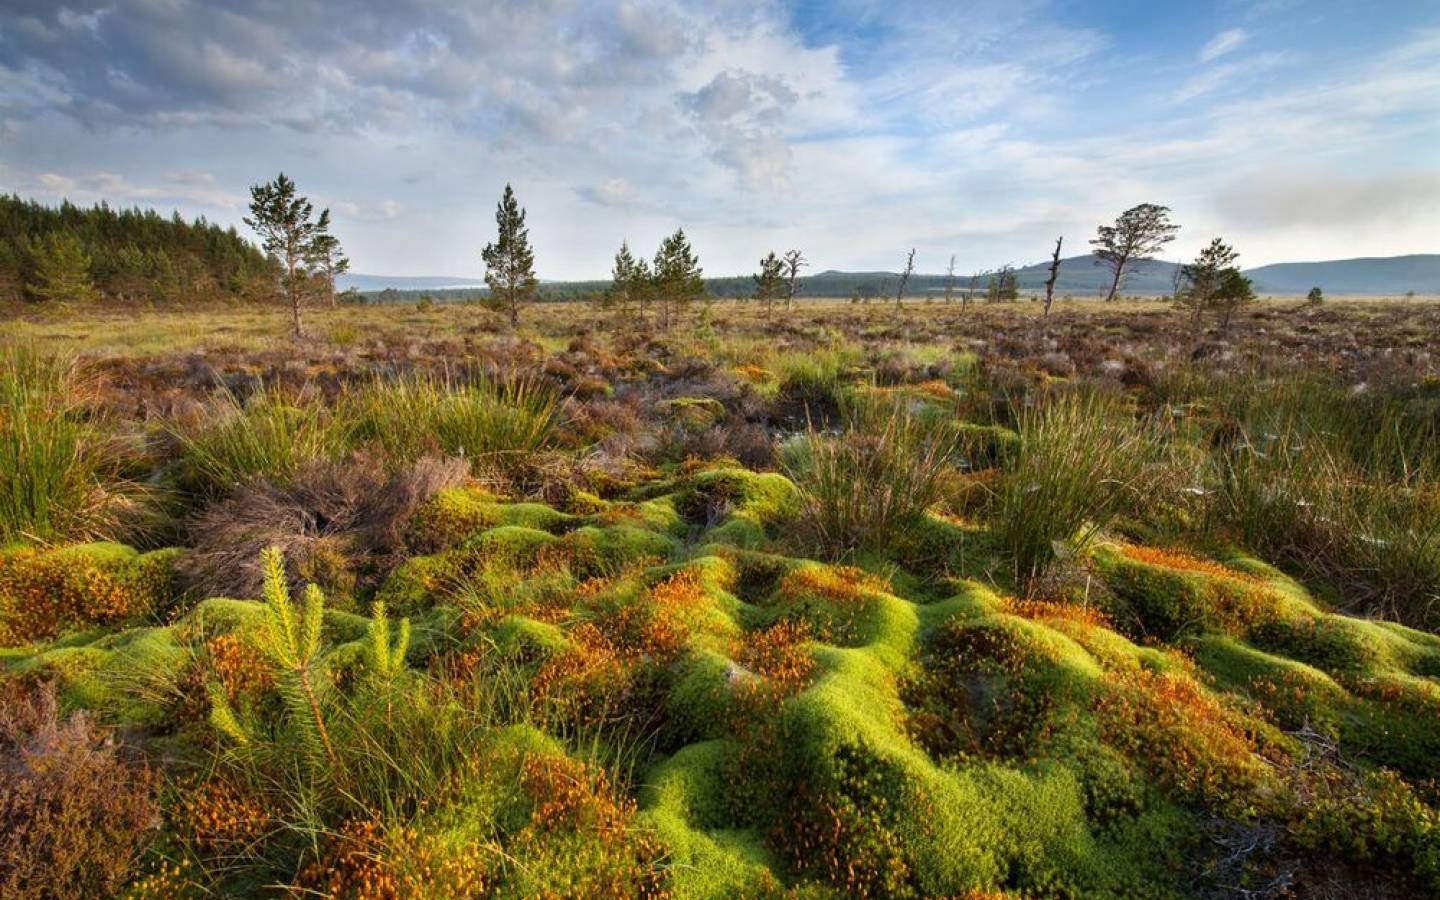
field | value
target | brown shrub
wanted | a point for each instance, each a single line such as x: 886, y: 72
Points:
x: 73, y: 816
x: 328, y: 520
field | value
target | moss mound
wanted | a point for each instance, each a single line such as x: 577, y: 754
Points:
x: 682, y: 708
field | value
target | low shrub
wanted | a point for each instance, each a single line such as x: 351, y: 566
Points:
x: 74, y: 817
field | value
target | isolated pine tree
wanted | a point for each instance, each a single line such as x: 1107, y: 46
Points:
x: 677, y: 276
x: 1201, y: 280
x: 1138, y: 233
x: 769, y: 281
x: 1233, y: 292
x: 62, y: 270
x: 282, y: 218
x: 509, y: 262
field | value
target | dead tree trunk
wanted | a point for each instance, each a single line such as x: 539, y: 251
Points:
x: 1054, y: 274
x: 905, y: 277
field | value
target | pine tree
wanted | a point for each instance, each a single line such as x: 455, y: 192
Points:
x: 326, y: 256
x: 677, y: 276
x: 62, y: 270
x: 769, y: 281
x: 509, y: 262
x: 1138, y: 233
x: 288, y: 638
x: 1202, y: 279
x: 1003, y: 285
x: 1233, y: 292
x: 282, y: 218
x: 623, y: 280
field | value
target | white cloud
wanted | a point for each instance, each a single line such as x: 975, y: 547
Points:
x: 1222, y: 43
x: 185, y: 188
x: 984, y: 133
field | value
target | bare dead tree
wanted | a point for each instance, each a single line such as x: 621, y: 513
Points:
x: 794, y: 261
x: 905, y: 277
x: 1054, y: 274
x: 950, y: 281
x: 974, y: 286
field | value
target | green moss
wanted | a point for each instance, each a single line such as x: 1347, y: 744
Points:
x: 595, y: 550
x: 455, y: 514
x: 684, y: 802
x: 44, y: 593
x: 986, y: 445
x: 920, y: 735
x: 695, y: 412
x: 1294, y: 693
x: 1166, y: 603
x: 411, y: 586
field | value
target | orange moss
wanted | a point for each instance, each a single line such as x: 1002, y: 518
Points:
x: 375, y: 863
x: 659, y: 624
x: 754, y: 374
x: 1187, y: 738
x: 572, y: 797
x: 166, y: 881
x: 219, y: 817
x: 1047, y: 610
x: 1184, y: 562
x: 237, y: 666
x: 583, y: 679
x: 777, y: 654
x: 42, y: 595
x: 841, y: 583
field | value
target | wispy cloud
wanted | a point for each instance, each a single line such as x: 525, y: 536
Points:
x: 1222, y: 43
x: 844, y: 127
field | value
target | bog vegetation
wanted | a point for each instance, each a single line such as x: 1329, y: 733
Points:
x: 826, y: 600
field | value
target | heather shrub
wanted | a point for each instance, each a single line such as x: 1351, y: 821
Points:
x: 74, y: 817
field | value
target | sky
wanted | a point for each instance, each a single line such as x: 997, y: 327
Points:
x: 850, y: 129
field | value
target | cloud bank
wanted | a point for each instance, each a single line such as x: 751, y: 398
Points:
x: 851, y: 129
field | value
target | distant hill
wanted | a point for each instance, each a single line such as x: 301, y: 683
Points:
x: 1367, y: 275
x: 1079, y: 275
x: 369, y: 283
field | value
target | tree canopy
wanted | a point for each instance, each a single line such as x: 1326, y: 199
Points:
x: 126, y: 255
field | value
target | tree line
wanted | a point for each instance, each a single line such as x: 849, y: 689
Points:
x: 75, y: 254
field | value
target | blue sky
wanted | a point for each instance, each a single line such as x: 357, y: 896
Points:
x: 851, y: 129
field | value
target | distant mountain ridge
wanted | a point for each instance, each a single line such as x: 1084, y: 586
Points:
x: 1078, y: 275
x: 1418, y: 272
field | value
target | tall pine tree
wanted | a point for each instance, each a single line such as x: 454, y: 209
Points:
x: 677, y: 276
x: 282, y: 218
x: 509, y: 262
x: 326, y: 256
x: 623, y: 280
